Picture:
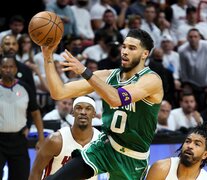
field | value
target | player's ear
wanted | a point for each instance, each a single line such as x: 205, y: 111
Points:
x: 145, y: 54
x: 204, y: 155
x: 94, y: 114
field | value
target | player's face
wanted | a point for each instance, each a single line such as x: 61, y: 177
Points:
x: 131, y: 53
x: 83, y: 114
x: 193, y: 150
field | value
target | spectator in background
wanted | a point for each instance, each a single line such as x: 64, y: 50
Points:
x: 148, y: 23
x: 58, y: 147
x: 178, y: 10
x: 63, y: 9
x: 16, y: 27
x: 171, y: 59
x: 74, y: 44
x: 26, y: 49
x: 165, y: 26
x: 15, y: 100
x: 100, y: 48
x: 114, y: 58
x: 121, y: 9
x: 133, y: 22
x: 91, y: 64
x: 162, y: 124
x: 156, y: 64
x: 62, y: 112
x: 193, y: 66
x: 191, y: 22
x: 186, y: 116
x: 25, y: 54
x: 83, y: 19
x: 97, y: 10
x: 110, y: 26
x: 137, y: 7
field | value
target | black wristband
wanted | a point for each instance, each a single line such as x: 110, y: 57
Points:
x: 87, y: 74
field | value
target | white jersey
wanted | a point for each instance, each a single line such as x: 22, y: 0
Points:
x: 172, y: 175
x: 68, y: 145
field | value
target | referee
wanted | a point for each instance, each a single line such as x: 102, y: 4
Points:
x: 16, y: 99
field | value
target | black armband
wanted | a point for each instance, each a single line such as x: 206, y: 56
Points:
x: 87, y: 74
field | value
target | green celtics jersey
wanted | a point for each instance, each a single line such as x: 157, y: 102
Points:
x: 132, y: 126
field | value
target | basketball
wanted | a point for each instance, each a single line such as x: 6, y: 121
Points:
x: 45, y: 28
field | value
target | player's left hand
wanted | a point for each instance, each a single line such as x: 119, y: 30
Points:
x: 72, y: 63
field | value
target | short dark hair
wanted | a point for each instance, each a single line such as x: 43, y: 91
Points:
x: 191, y: 9
x: 202, y: 131
x: 9, y: 57
x: 193, y: 29
x: 89, y: 60
x: 17, y: 18
x: 146, y: 40
x: 186, y: 92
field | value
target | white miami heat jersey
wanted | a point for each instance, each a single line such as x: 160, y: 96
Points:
x: 172, y: 175
x: 68, y: 145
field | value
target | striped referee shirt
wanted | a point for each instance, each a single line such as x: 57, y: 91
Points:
x: 15, y: 101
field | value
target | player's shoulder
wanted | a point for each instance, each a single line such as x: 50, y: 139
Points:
x: 162, y: 165
x: 54, y: 138
x: 159, y: 170
x: 103, y: 74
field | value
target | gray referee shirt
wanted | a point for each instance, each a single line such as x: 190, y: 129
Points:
x: 14, y: 103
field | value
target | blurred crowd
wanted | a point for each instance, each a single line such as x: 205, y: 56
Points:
x: 94, y: 31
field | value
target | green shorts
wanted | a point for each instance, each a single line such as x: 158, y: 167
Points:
x: 102, y: 157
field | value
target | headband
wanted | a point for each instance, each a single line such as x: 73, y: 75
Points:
x: 84, y: 99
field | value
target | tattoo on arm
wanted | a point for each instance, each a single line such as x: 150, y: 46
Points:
x: 49, y: 61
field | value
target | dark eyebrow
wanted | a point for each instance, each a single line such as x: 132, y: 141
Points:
x: 198, y: 141
x: 130, y: 45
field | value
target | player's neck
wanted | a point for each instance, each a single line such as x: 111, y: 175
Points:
x: 127, y: 75
x: 81, y: 136
x: 184, y: 172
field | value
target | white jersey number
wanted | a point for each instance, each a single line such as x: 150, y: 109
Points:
x: 118, y: 122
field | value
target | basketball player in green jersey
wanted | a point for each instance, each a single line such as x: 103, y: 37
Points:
x: 131, y: 101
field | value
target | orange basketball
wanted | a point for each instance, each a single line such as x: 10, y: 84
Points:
x: 45, y: 28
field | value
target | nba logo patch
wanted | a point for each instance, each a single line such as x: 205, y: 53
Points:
x: 18, y: 93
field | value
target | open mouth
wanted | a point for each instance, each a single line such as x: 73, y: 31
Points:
x: 189, y: 153
x: 124, y: 60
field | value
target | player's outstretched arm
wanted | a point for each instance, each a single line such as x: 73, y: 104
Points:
x: 159, y: 170
x: 58, y: 89
x: 50, y: 148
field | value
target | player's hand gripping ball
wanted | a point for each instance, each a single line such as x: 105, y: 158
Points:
x: 46, y: 28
